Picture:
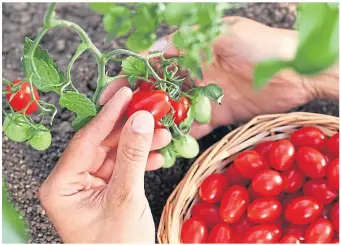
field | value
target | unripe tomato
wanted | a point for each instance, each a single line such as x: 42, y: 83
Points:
x: 266, y: 233
x: 221, y: 233
x: 208, y: 213
x: 180, y: 107
x: 333, y: 145
x: 41, y: 139
x: 234, y: 177
x: 333, y: 173
x: 290, y: 239
x: 303, y: 210
x: 213, y: 187
x: 293, y: 179
x: 296, y: 230
x: 264, y: 210
x: 240, y: 227
x: 267, y: 182
x: 15, y: 128
x: 320, y: 231
x: 201, y: 106
x: 186, y: 147
x: 234, y: 203
x: 308, y: 136
x: 282, y: 155
x: 193, y: 231
x: 334, y: 216
x: 23, y: 97
x: 249, y: 163
x: 311, y: 162
x: 146, y: 86
x: 169, y: 156
x: 320, y: 190
x: 263, y: 148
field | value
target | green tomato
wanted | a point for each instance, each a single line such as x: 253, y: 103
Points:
x: 16, y: 128
x: 41, y: 139
x: 186, y: 147
x: 202, y: 109
x: 169, y: 155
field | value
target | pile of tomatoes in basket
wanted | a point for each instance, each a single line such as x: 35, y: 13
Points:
x: 284, y: 191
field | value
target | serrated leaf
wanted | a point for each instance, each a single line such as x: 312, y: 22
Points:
x: 132, y: 81
x: 117, y: 22
x: 101, y: 8
x: 265, y: 70
x: 139, y: 41
x: 176, y: 12
x: 132, y: 66
x: 80, y: 121
x: 212, y: 91
x: 78, y: 103
x: 145, y: 19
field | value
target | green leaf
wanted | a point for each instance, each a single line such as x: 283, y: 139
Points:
x: 139, y: 41
x: 186, y: 124
x: 132, y: 81
x: 265, y: 70
x: 145, y: 19
x: 80, y: 121
x: 212, y: 91
x: 176, y: 12
x: 13, y: 228
x: 78, y: 103
x: 101, y: 8
x: 132, y: 66
x: 117, y: 22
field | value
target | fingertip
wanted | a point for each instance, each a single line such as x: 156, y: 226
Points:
x: 142, y: 122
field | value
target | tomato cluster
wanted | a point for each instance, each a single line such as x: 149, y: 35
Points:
x: 284, y: 191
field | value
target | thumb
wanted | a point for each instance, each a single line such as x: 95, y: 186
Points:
x: 132, y: 154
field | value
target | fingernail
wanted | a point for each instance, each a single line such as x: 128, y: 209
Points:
x: 143, y: 122
x: 160, y: 45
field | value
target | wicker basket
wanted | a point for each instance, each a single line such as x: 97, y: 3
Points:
x: 221, y: 154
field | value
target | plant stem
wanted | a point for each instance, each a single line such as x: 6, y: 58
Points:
x: 49, y: 14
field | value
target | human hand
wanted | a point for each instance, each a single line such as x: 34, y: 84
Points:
x: 95, y: 194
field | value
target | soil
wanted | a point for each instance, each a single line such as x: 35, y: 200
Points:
x: 24, y: 169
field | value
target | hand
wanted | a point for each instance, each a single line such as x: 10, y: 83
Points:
x: 95, y: 194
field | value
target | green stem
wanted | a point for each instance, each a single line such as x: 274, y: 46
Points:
x: 49, y: 15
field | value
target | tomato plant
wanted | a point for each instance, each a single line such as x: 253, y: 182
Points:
x: 303, y: 210
x: 308, y: 136
x: 250, y: 163
x: 213, y: 187
x: 311, y: 162
x: 282, y: 155
x: 193, y: 231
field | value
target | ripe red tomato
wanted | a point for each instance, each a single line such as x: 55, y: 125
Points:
x: 208, y: 213
x: 334, y: 216
x: 146, y: 86
x: 303, y: 210
x: 335, y: 240
x: 320, y: 231
x: 221, y: 233
x: 293, y: 179
x: 320, y: 190
x: 326, y: 210
x: 240, y: 227
x: 159, y: 125
x: 234, y: 177
x: 193, y: 231
x: 290, y: 197
x: 290, y: 239
x: 266, y: 233
x: 296, y: 230
x: 156, y: 102
x: 234, y: 203
x: 180, y: 107
x: 23, y: 97
x: 333, y: 145
x: 311, y: 162
x: 328, y: 157
x: 333, y: 173
x: 213, y: 187
x: 267, y: 182
x: 249, y: 163
x: 263, y: 148
x: 308, y: 136
x: 264, y: 210
x: 282, y: 155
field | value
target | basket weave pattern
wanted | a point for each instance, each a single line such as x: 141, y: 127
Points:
x: 220, y: 155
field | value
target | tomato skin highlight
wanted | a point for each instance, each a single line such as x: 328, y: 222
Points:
x: 249, y: 163
x: 263, y: 148
x: 311, y: 162
x: 267, y: 182
x: 208, y: 213
x: 293, y: 179
x: 320, y: 231
x: 308, y: 136
x: 334, y: 216
x: 234, y: 177
x: 23, y: 97
x: 320, y: 190
x: 213, y: 187
x: 303, y: 210
x: 193, y: 231
x: 333, y: 174
x: 266, y: 233
x: 156, y: 102
x: 234, y: 203
x: 290, y: 239
x: 181, y: 108
x: 221, y: 233
x: 333, y: 145
x: 264, y: 210
x: 281, y: 155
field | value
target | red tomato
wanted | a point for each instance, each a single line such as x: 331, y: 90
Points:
x: 159, y: 125
x: 333, y: 173
x: 193, y: 231
x: 146, y: 86
x: 234, y: 177
x: 293, y: 179
x: 264, y: 210
x: 267, y: 233
x: 333, y: 145
x: 234, y: 203
x: 320, y: 231
x: 328, y: 157
x: 308, y: 136
x: 180, y: 107
x: 290, y: 239
x: 156, y: 102
x: 326, y: 210
x: 240, y: 227
x: 213, y: 187
x: 334, y: 216
x: 311, y: 162
x: 267, y: 182
x: 249, y: 163
x: 263, y: 148
x: 290, y: 197
x: 221, y: 233
x: 303, y: 210
x: 335, y: 240
x: 296, y: 230
x: 320, y: 190
x: 208, y: 213
x: 23, y: 97
x: 282, y: 155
